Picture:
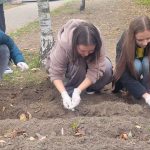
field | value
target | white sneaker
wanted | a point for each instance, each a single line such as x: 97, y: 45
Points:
x: 8, y: 70
x: 90, y: 92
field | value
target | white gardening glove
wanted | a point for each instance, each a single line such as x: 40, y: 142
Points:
x: 66, y: 100
x: 146, y: 97
x: 76, y: 97
x: 147, y: 100
x: 23, y: 66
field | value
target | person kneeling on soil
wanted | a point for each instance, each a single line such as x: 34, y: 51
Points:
x: 78, y: 62
x: 133, y: 59
x: 10, y: 51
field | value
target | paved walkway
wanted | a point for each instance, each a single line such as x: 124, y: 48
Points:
x: 20, y: 16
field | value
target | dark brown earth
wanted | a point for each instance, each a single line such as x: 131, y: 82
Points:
x: 103, y: 120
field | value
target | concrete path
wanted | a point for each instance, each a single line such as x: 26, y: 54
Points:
x: 20, y: 16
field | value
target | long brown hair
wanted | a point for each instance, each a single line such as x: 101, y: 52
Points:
x: 129, y: 45
x: 86, y: 34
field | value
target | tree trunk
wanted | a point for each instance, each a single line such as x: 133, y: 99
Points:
x: 47, y: 40
x: 82, y: 5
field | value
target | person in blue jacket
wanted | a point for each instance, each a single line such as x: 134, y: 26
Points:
x: 9, y: 51
x: 133, y: 60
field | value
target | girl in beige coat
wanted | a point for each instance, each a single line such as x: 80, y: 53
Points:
x: 78, y: 62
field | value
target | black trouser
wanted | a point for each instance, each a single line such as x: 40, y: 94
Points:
x: 2, y: 19
x: 136, y: 87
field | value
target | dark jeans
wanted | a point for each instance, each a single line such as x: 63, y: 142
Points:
x: 4, y: 59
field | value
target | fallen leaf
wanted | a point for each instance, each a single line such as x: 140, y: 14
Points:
x: 80, y: 132
x: 124, y: 136
x: 11, y: 105
x: 8, y: 134
x: 31, y: 138
x: 3, y: 109
x: 62, y: 131
x: 2, y: 141
x: 130, y: 134
x: 13, y: 95
x: 35, y: 69
x: 29, y: 115
x: 20, y: 132
x: 26, y: 48
x: 25, y: 116
x: 138, y: 127
x: 15, y: 133
x: 39, y: 109
x: 39, y: 137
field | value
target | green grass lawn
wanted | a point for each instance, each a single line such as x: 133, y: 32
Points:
x: 143, y: 2
x: 8, y: 5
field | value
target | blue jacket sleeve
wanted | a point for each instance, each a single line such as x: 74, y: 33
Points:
x: 15, y: 53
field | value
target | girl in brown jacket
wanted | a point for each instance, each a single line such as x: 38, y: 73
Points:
x: 78, y: 62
